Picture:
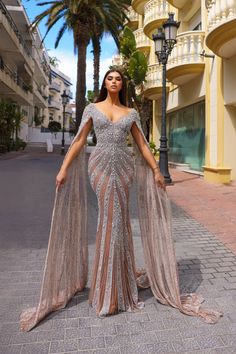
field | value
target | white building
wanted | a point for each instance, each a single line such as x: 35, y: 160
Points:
x: 26, y: 77
x: 59, y: 83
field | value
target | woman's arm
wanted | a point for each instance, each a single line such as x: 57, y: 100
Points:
x: 72, y: 153
x: 142, y: 145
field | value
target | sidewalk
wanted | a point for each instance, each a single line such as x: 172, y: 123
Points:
x: 212, y: 205
x: 205, y: 265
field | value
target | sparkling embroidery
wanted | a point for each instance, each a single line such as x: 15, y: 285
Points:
x: 111, y: 170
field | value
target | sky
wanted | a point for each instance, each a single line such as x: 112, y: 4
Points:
x: 65, y: 50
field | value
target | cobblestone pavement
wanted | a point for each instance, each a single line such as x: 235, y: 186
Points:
x: 213, y: 205
x: 205, y: 266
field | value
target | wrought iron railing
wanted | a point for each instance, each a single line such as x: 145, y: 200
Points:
x: 14, y: 76
x: 6, y: 13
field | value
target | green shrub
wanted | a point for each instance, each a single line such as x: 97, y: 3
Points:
x: 153, y: 148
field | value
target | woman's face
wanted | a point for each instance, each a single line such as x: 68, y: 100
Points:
x: 113, y: 82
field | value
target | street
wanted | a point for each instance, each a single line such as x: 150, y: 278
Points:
x: 206, y: 266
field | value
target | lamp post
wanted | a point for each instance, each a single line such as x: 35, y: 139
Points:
x: 64, y: 97
x: 165, y: 39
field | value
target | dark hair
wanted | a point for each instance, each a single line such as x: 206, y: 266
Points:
x: 123, y: 92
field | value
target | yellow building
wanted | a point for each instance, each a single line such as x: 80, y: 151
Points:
x: 201, y: 100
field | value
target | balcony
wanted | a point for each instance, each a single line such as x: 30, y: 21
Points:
x: 70, y: 94
x: 13, y: 87
x: 138, y: 6
x: 12, y: 40
x: 133, y: 19
x: 221, y: 37
x: 68, y: 110
x: 155, y: 13
x: 55, y: 87
x: 40, y: 97
x: 185, y: 62
x: 54, y: 105
x: 153, y: 85
x: 143, y: 43
x: 117, y: 60
x: 42, y: 69
x: 179, y: 4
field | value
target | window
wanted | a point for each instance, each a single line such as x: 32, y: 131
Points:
x: 198, y: 27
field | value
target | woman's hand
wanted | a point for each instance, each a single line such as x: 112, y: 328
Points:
x: 61, y: 178
x: 159, y: 179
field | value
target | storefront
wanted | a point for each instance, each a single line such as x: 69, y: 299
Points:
x: 186, y: 134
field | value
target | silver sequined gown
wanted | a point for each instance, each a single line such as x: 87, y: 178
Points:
x: 111, y: 171
x: 114, y: 280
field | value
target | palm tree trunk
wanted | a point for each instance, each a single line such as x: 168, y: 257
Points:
x: 80, y: 102
x: 96, y: 64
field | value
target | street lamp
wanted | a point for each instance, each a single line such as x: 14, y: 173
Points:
x: 165, y: 39
x: 65, y: 100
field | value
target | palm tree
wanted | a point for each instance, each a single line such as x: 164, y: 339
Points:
x: 79, y: 17
x: 99, y: 29
x: 96, y: 43
x: 135, y: 67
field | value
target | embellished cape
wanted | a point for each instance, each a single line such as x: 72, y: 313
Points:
x: 66, y: 265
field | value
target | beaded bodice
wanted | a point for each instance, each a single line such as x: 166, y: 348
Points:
x: 108, y: 132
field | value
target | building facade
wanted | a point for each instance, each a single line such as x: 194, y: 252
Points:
x: 59, y: 83
x: 201, y: 74
x: 26, y: 77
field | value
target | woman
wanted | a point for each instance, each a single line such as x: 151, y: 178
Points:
x: 111, y: 170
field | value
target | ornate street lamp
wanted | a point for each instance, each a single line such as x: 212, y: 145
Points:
x: 65, y: 100
x: 165, y: 39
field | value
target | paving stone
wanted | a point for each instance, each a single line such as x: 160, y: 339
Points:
x: 210, y: 342
x: 5, y: 339
x: 231, y: 279
x: 22, y: 337
x: 145, y: 338
x: 230, y: 286
x: 10, y: 349
x: 129, y: 328
x: 91, y: 343
x: 221, y: 275
x: 229, y: 340
x: 208, y: 270
x: 45, y: 336
x: 185, y: 345
x: 88, y: 322
x: 226, y: 350
x: 118, y: 340
x: 194, y: 332
x: 174, y: 323
x: 102, y: 331
x: 224, y: 269
x: 35, y: 348
x: 64, y: 346
x: 106, y: 351
x: 232, y: 274
x: 150, y: 325
x: 72, y: 323
x: 140, y: 317
x: 10, y: 327
x: 162, y: 347
x: 135, y: 349
x: 169, y: 334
